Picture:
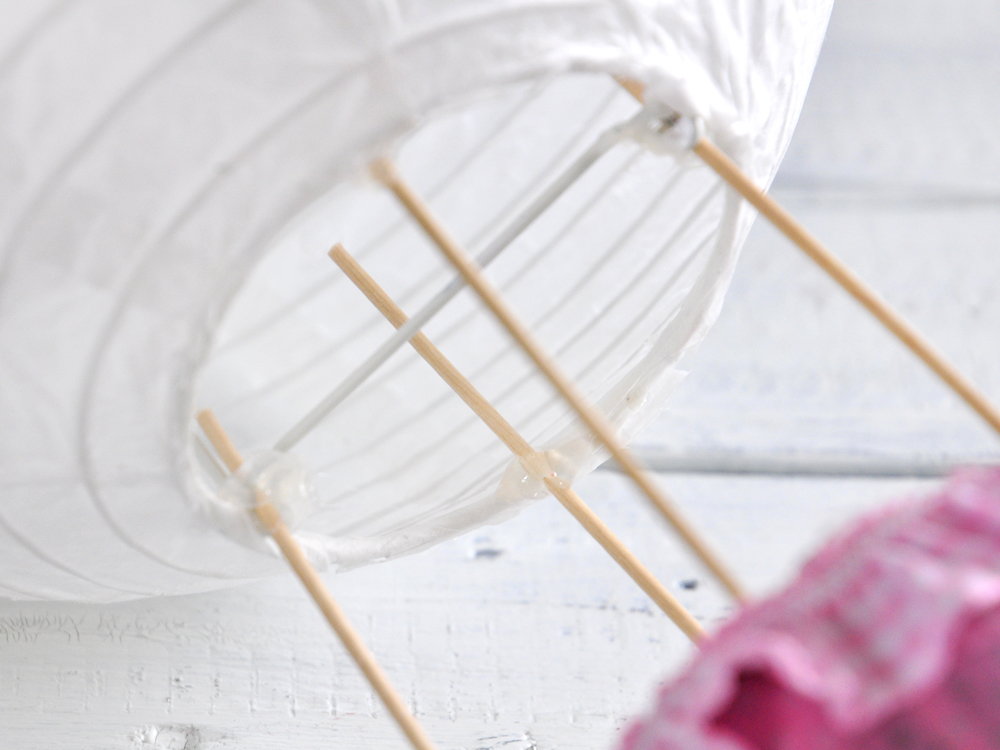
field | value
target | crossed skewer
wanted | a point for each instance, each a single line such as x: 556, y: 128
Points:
x: 534, y: 462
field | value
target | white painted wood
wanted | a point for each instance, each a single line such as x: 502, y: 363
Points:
x: 517, y: 636
x: 525, y: 635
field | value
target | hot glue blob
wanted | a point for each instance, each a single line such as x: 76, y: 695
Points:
x: 524, y: 478
x: 280, y: 479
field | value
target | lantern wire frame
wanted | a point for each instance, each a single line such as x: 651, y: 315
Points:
x: 537, y: 463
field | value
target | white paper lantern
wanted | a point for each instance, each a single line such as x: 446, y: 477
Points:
x: 172, y: 174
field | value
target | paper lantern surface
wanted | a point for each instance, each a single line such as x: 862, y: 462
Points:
x: 889, y: 638
x: 173, y: 174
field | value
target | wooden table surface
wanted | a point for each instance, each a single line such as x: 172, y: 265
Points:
x: 797, y: 414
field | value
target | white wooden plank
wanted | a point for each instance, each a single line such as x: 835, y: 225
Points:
x: 523, y: 635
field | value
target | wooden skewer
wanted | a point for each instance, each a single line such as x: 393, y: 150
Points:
x: 219, y: 439
x: 520, y: 447
x: 513, y: 229
x: 596, y: 422
x: 293, y: 552
x: 901, y: 328
x: 636, y: 88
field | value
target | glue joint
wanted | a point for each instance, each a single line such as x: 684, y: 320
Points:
x: 537, y: 465
x: 268, y: 515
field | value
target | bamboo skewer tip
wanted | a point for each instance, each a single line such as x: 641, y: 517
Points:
x: 338, y: 253
x: 384, y: 170
x: 635, y: 87
x: 595, y: 420
x: 219, y: 439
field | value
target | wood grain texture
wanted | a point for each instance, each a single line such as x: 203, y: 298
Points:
x: 352, y: 642
x: 516, y: 636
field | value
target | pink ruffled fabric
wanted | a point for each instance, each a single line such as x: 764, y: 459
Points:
x: 889, y: 638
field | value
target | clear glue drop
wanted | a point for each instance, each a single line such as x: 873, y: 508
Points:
x: 524, y: 479
x: 281, y: 479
